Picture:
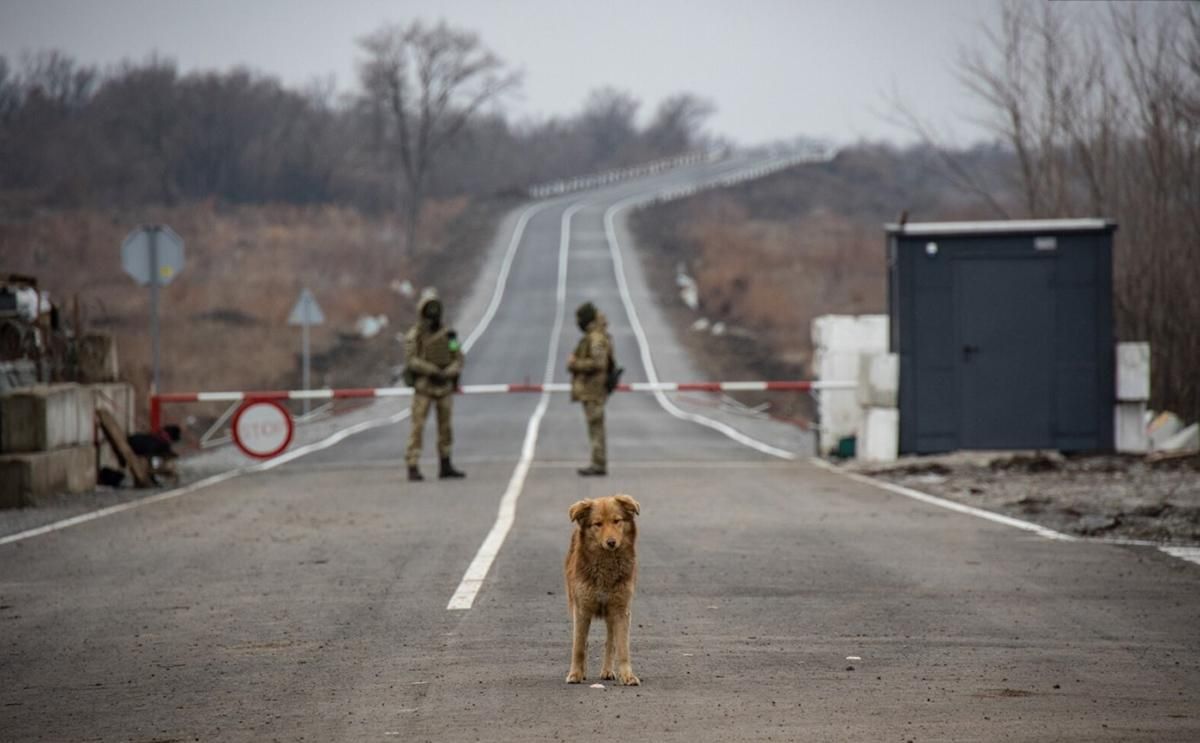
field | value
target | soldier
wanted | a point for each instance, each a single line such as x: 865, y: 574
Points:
x: 589, y: 366
x: 433, y: 362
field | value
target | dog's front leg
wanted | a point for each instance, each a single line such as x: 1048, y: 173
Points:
x: 606, y: 670
x: 619, y: 635
x: 583, y: 622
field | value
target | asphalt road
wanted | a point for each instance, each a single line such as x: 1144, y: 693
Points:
x: 778, y: 600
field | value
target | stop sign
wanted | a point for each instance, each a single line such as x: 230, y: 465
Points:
x: 262, y: 429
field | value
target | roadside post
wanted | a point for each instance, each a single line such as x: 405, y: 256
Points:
x: 306, y: 312
x: 153, y: 255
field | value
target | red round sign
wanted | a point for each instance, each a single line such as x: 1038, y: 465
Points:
x: 262, y: 429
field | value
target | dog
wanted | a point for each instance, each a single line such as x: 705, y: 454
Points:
x: 156, y: 450
x: 600, y: 572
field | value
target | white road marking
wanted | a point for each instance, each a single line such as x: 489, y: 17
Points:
x: 208, y: 481
x: 644, y: 345
x: 484, y: 322
x: 950, y: 505
x: 502, y: 278
x: 472, y: 580
x: 1191, y: 554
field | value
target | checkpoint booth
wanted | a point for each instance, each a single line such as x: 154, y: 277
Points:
x: 1004, y: 334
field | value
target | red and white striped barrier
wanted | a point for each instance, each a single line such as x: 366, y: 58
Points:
x: 157, y: 401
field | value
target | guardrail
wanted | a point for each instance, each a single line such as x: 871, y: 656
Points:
x: 810, y: 155
x: 584, y: 182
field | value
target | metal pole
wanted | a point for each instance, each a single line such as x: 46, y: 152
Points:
x: 304, y: 332
x: 153, y: 229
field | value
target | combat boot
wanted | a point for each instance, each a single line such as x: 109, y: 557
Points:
x: 414, y: 474
x: 447, y: 470
x: 592, y: 471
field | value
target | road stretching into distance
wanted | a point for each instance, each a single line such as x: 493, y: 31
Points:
x: 328, y: 599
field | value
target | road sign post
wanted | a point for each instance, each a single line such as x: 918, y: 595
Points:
x: 306, y: 312
x: 153, y: 255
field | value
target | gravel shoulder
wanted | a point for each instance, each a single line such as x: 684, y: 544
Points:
x: 1123, y: 497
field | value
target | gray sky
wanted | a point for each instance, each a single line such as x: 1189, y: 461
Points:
x: 775, y: 68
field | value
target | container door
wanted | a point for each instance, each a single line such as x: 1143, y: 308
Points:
x: 1004, y: 325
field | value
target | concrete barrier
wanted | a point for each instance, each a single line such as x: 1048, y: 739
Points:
x: 98, y: 358
x: 1133, y: 372
x: 878, y: 380
x: 30, y: 478
x: 1129, y: 427
x: 878, y: 435
x: 840, y: 343
x: 46, y: 417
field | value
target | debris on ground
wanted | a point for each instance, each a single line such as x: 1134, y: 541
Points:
x: 1119, y: 496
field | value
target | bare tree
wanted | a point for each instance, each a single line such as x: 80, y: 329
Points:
x: 608, y: 124
x: 424, y: 84
x: 1105, y: 120
x: 677, y: 123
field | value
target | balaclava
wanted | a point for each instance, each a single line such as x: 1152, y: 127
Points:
x: 585, y: 315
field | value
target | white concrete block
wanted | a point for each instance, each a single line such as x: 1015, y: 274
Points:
x: 1129, y: 427
x: 879, y: 435
x: 837, y: 410
x: 878, y: 380
x: 858, y: 333
x: 1133, y: 371
x: 45, y: 417
x: 872, y: 333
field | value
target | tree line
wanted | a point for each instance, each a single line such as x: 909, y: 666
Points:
x: 426, y: 119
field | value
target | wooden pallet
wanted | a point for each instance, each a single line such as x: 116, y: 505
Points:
x: 116, y: 439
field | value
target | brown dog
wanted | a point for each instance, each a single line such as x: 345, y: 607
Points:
x: 601, y: 570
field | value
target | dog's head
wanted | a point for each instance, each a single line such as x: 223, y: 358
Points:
x: 606, y: 523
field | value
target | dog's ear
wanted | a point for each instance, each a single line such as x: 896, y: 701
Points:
x: 580, y: 510
x: 628, y: 503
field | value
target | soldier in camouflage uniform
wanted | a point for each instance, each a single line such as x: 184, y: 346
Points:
x: 433, y: 362
x: 589, y: 366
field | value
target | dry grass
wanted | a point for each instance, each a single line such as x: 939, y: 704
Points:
x: 224, y: 319
x: 765, y: 278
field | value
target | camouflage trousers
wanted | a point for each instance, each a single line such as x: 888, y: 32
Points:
x: 420, y: 411
x: 593, y: 413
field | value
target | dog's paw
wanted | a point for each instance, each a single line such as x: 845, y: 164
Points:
x: 575, y: 677
x: 607, y: 675
x: 628, y: 679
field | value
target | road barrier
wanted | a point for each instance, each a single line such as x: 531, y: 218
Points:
x: 584, y: 182
x: 157, y: 401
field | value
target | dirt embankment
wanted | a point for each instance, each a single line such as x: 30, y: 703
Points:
x: 224, y: 318
x: 1095, y: 496
x: 770, y: 255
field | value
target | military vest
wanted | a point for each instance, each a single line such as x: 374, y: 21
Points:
x: 437, y: 348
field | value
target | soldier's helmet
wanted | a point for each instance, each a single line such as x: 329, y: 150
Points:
x: 585, y: 315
